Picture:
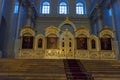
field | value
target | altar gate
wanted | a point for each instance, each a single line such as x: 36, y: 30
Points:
x: 66, y: 43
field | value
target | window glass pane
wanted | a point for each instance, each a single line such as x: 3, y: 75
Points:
x: 79, y: 8
x: 46, y: 8
x: 62, y: 8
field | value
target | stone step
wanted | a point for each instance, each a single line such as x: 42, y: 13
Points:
x: 31, y: 78
x: 103, y: 69
x: 104, y: 76
x: 32, y: 69
x: 31, y: 74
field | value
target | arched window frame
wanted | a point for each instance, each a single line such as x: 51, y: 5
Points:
x: 78, y: 8
x: 63, y: 9
x: 45, y: 8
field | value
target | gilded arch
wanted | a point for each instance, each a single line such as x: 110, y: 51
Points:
x: 67, y: 21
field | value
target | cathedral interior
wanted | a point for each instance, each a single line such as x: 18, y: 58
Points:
x: 59, y: 39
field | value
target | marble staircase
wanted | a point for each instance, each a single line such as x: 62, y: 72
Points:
x: 59, y: 69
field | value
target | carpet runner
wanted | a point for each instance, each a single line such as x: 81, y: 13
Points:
x: 75, y: 70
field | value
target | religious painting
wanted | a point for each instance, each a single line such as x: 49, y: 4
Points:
x: 52, y: 42
x: 106, y: 44
x: 40, y: 43
x: 93, y: 45
x: 27, y: 42
x: 82, y: 43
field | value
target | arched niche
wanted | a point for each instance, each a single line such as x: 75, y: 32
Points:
x: 67, y: 26
x: 27, y: 41
x: 106, y: 42
x: 82, y: 30
x: 52, y: 30
x: 81, y: 36
x: 52, y: 41
x: 27, y: 35
x: 67, y: 22
x: 52, y: 34
x: 81, y: 42
x: 39, y: 42
x: 93, y: 43
x: 27, y: 29
x: 106, y: 36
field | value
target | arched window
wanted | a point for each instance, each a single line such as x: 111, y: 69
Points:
x: 80, y: 8
x: 46, y: 8
x: 16, y: 7
x: 63, y: 8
